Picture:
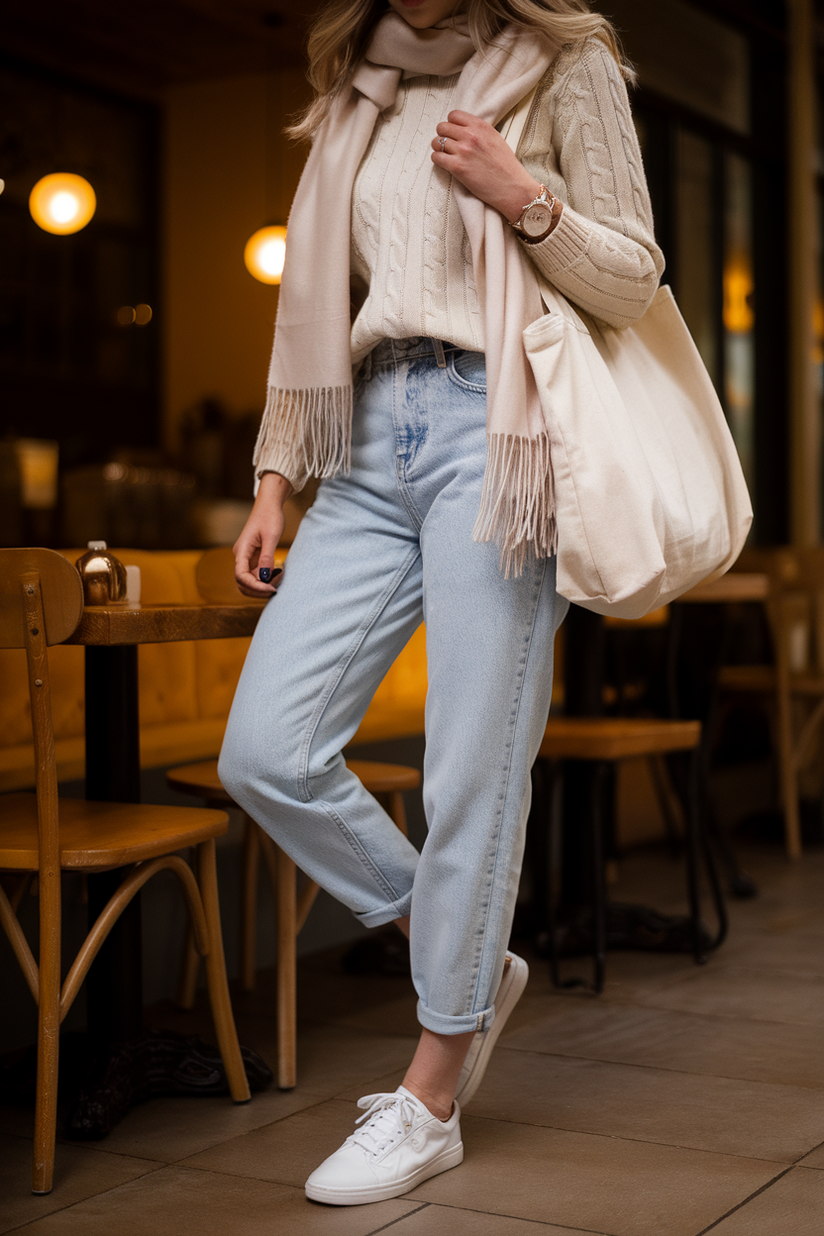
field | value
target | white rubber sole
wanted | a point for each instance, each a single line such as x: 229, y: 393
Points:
x: 381, y: 1193
x: 508, y: 994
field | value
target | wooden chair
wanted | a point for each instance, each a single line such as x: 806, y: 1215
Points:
x: 41, y: 604
x: 794, y: 680
x: 603, y: 741
x: 388, y: 783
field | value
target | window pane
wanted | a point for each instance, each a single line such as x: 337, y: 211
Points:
x: 739, y: 310
x: 695, y: 287
x: 688, y: 56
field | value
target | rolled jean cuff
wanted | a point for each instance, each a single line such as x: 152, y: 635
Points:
x: 387, y: 914
x: 443, y: 1023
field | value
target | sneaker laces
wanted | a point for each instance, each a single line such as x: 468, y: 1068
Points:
x: 388, y: 1117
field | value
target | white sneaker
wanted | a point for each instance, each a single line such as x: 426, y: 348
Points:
x: 400, y: 1145
x: 516, y: 973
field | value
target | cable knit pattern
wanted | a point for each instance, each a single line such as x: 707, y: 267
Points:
x: 408, y: 241
x: 581, y: 142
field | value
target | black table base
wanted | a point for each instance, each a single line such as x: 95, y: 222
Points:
x: 121, y: 1064
x: 629, y: 928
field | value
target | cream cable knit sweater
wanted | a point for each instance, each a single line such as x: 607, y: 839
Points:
x: 409, y: 247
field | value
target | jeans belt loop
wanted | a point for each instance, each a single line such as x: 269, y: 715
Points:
x: 439, y: 353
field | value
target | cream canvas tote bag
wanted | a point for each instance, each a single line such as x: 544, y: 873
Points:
x: 650, y: 497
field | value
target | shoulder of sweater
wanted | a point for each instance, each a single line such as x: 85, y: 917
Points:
x: 581, y: 76
x: 585, y: 63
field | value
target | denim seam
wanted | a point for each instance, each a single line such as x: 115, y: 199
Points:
x: 314, y: 721
x: 402, y: 460
x: 495, y: 854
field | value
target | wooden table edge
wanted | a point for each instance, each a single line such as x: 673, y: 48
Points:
x: 111, y: 625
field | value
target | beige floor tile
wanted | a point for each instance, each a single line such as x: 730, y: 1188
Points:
x: 752, y: 1119
x: 188, y: 1202
x: 632, y: 976
x: 714, y: 1046
x: 598, y: 1184
x: 172, y: 1129
x: 287, y: 1151
x: 437, y: 1220
x: 816, y: 1159
x: 535, y: 1005
x: 789, y: 950
x: 794, y: 1204
x: 79, y: 1173
x: 731, y: 991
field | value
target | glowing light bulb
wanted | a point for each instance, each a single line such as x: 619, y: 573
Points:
x: 62, y: 203
x: 265, y: 254
x: 64, y: 207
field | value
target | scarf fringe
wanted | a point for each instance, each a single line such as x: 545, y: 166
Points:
x: 306, y: 433
x: 518, y: 500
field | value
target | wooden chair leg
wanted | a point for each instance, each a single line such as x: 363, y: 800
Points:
x: 789, y: 784
x: 599, y: 891
x: 48, y: 1034
x: 284, y: 876
x: 187, y: 986
x: 251, y: 857
x: 397, y: 810
x: 693, y: 861
x: 287, y: 971
x: 216, y: 976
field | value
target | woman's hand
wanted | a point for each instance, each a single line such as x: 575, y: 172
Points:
x: 477, y: 156
x: 256, y: 545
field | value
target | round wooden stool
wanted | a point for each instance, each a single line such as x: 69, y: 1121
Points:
x: 387, y: 782
x: 604, y: 741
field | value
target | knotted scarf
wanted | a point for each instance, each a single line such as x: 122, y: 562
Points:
x: 307, y: 423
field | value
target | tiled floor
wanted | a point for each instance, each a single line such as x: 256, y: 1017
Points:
x: 683, y: 1100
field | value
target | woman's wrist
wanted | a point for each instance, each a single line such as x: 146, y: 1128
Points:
x: 275, y: 487
x: 516, y: 195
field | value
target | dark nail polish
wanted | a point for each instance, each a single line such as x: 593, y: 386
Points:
x: 267, y: 574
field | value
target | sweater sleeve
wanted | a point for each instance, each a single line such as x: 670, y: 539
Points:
x: 602, y: 253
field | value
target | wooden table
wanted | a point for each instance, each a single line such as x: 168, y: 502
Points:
x: 111, y: 636
x: 729, y: 588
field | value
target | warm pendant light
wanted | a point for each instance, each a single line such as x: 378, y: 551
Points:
x: 62, y: 203
x: 265, y: 249
x: 265, y: 253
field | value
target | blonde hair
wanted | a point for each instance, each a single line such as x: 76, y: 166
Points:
x: 340, y: 35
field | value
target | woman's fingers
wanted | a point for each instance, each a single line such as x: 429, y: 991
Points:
x: 254, y: 550
x: 478, y: 157
x: 249, y: 557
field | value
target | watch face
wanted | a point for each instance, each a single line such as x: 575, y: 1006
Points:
x: 537, y: 219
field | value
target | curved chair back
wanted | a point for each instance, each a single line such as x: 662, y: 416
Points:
x: 58, y: 589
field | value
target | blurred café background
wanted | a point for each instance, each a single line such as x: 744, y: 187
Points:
x: 134, y: 337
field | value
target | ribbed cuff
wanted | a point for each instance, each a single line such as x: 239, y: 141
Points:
x: 565, y: 245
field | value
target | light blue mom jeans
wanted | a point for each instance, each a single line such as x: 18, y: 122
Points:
x: 381, y: 550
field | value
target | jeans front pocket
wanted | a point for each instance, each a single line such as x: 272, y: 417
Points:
x: 468, y: 370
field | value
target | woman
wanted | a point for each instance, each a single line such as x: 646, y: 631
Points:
x: 437, y: 502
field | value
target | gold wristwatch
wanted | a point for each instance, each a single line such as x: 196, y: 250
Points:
x: 535, y: 221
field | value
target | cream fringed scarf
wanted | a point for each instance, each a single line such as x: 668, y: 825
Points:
x: 309, y: 408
